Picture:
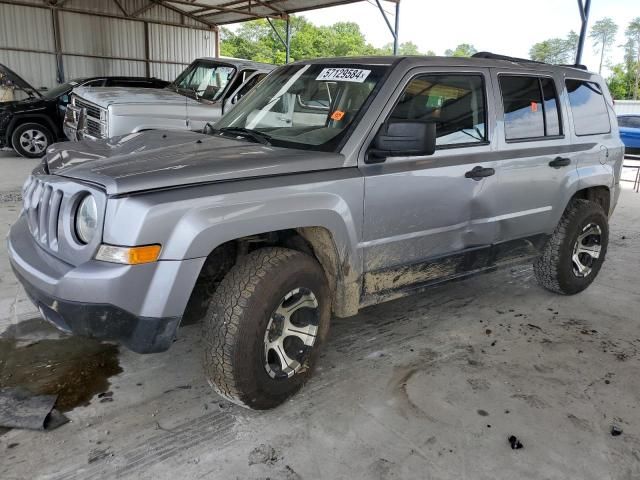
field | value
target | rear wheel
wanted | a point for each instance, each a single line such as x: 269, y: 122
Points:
x: 265, y: 326
x: 575, y: 252
x: 31, y: 140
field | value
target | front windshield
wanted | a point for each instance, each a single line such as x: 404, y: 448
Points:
x: 305, y: 106
x: 11, y: 90
x: 205, y: 80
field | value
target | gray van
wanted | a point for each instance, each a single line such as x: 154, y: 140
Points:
x: 336, y: 184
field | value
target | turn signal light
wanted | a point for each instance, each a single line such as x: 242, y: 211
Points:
x: 128, y: 255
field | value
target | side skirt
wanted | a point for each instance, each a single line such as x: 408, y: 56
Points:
x: 397, y: 282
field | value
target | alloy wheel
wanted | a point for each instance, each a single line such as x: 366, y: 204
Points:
x: 291, y: 333
x: 586, y: 250
x: 33, y: 141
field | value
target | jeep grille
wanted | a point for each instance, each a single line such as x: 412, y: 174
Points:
x: 42, y: 208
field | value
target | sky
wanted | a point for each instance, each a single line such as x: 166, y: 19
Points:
x: 509, y: 27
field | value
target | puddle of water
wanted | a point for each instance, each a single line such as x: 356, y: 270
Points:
x: 74, y: 368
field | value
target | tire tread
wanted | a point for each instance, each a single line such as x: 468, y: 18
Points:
x: 225, y: 313
x: 546, y: 266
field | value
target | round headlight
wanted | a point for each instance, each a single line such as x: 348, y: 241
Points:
x: 87, y: 219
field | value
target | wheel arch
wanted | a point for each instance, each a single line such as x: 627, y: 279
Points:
x: 599, y: 194
x: 31, y: 118
x: 316, y: 241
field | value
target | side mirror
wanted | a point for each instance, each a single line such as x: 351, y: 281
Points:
x: 403, y: 138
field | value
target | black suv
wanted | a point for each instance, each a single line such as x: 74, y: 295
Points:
x: 30, y: 120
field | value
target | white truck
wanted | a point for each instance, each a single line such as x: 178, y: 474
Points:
x: 202, y: 93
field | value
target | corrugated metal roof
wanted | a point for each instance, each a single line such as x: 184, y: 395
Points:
x: 222, y: 12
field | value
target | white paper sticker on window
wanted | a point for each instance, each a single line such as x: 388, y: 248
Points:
x: 344, y: 75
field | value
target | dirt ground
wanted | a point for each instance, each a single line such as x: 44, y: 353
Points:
x: 428, y: 387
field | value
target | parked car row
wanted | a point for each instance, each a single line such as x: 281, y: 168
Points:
x: 31, y: 120
x: 334, y: 185
x: 101, y: 107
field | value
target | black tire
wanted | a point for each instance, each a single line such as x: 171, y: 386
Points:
x: 39, y: 132
x: 240, y: 311
x: 555, y: 269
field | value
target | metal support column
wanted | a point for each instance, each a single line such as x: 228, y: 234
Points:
x: 216, y: 42
x: 584, y: 16
x: 147, y: 60
x: 394, y: 31
x: 397, y: 29
x: 57, y: 42
x: 286, y: 42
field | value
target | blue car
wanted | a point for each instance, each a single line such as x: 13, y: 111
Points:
x: 630, y: 132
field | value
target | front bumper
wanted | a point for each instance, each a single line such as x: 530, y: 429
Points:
x: 138, y: 306
x: 104, y: 321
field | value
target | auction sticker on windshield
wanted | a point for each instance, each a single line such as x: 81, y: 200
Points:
x: 344, y: 74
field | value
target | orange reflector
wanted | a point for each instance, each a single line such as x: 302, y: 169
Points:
x: 337, y: 115
x: 128, y: 255
x: 146, y: 254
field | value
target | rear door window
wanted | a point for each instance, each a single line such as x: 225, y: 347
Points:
x: 530, y: 107
x: 588, y: 108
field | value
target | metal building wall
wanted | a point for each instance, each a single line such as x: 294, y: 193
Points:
x: 94, y: 45
x: 175, y: 44
x: 26, y: 28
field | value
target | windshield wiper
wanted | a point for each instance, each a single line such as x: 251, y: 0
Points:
x: 254, y: 135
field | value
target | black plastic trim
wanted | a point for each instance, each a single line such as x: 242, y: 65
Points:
x: 104, y: 321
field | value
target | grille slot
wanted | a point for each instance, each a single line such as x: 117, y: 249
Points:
x: 42, y: 204
x: 92, y: 110
x: 94, y: 128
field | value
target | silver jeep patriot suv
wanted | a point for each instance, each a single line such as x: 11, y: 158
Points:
x: 337, y: 184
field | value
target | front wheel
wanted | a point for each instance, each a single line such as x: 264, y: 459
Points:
x: 264, y: 327
x: 31, y: 140
x: 575, y: 252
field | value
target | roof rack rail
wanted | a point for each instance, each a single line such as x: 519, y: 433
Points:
x: 574, y: 65
x: 495, y: 56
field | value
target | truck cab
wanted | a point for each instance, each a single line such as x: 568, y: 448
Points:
x: 199, y: 95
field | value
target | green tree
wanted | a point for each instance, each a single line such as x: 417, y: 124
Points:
x: 462, y: 50
x: 620, y: 82
x: 555, y: 50
x: 632, y: 52
x: 603, y: 34
x: 256, y: 40
x: 406, y: 48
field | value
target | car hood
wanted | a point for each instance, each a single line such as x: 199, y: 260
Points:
x: 105, y: 96
x: 160, y: 159
x: 26, y: 105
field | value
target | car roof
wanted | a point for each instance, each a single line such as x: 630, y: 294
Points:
x: 435, y: 61
x: 113, y: 77
x: 240, y: 63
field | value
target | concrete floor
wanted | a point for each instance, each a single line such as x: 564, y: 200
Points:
x: 427, y: 387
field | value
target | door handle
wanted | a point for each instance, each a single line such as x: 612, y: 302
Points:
x: 559, y: 162
x: 478, y: 173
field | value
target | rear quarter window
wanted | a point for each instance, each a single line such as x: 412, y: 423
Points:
x: 588, y: 108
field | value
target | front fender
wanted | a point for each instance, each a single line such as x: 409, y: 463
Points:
x: 191, y: 222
